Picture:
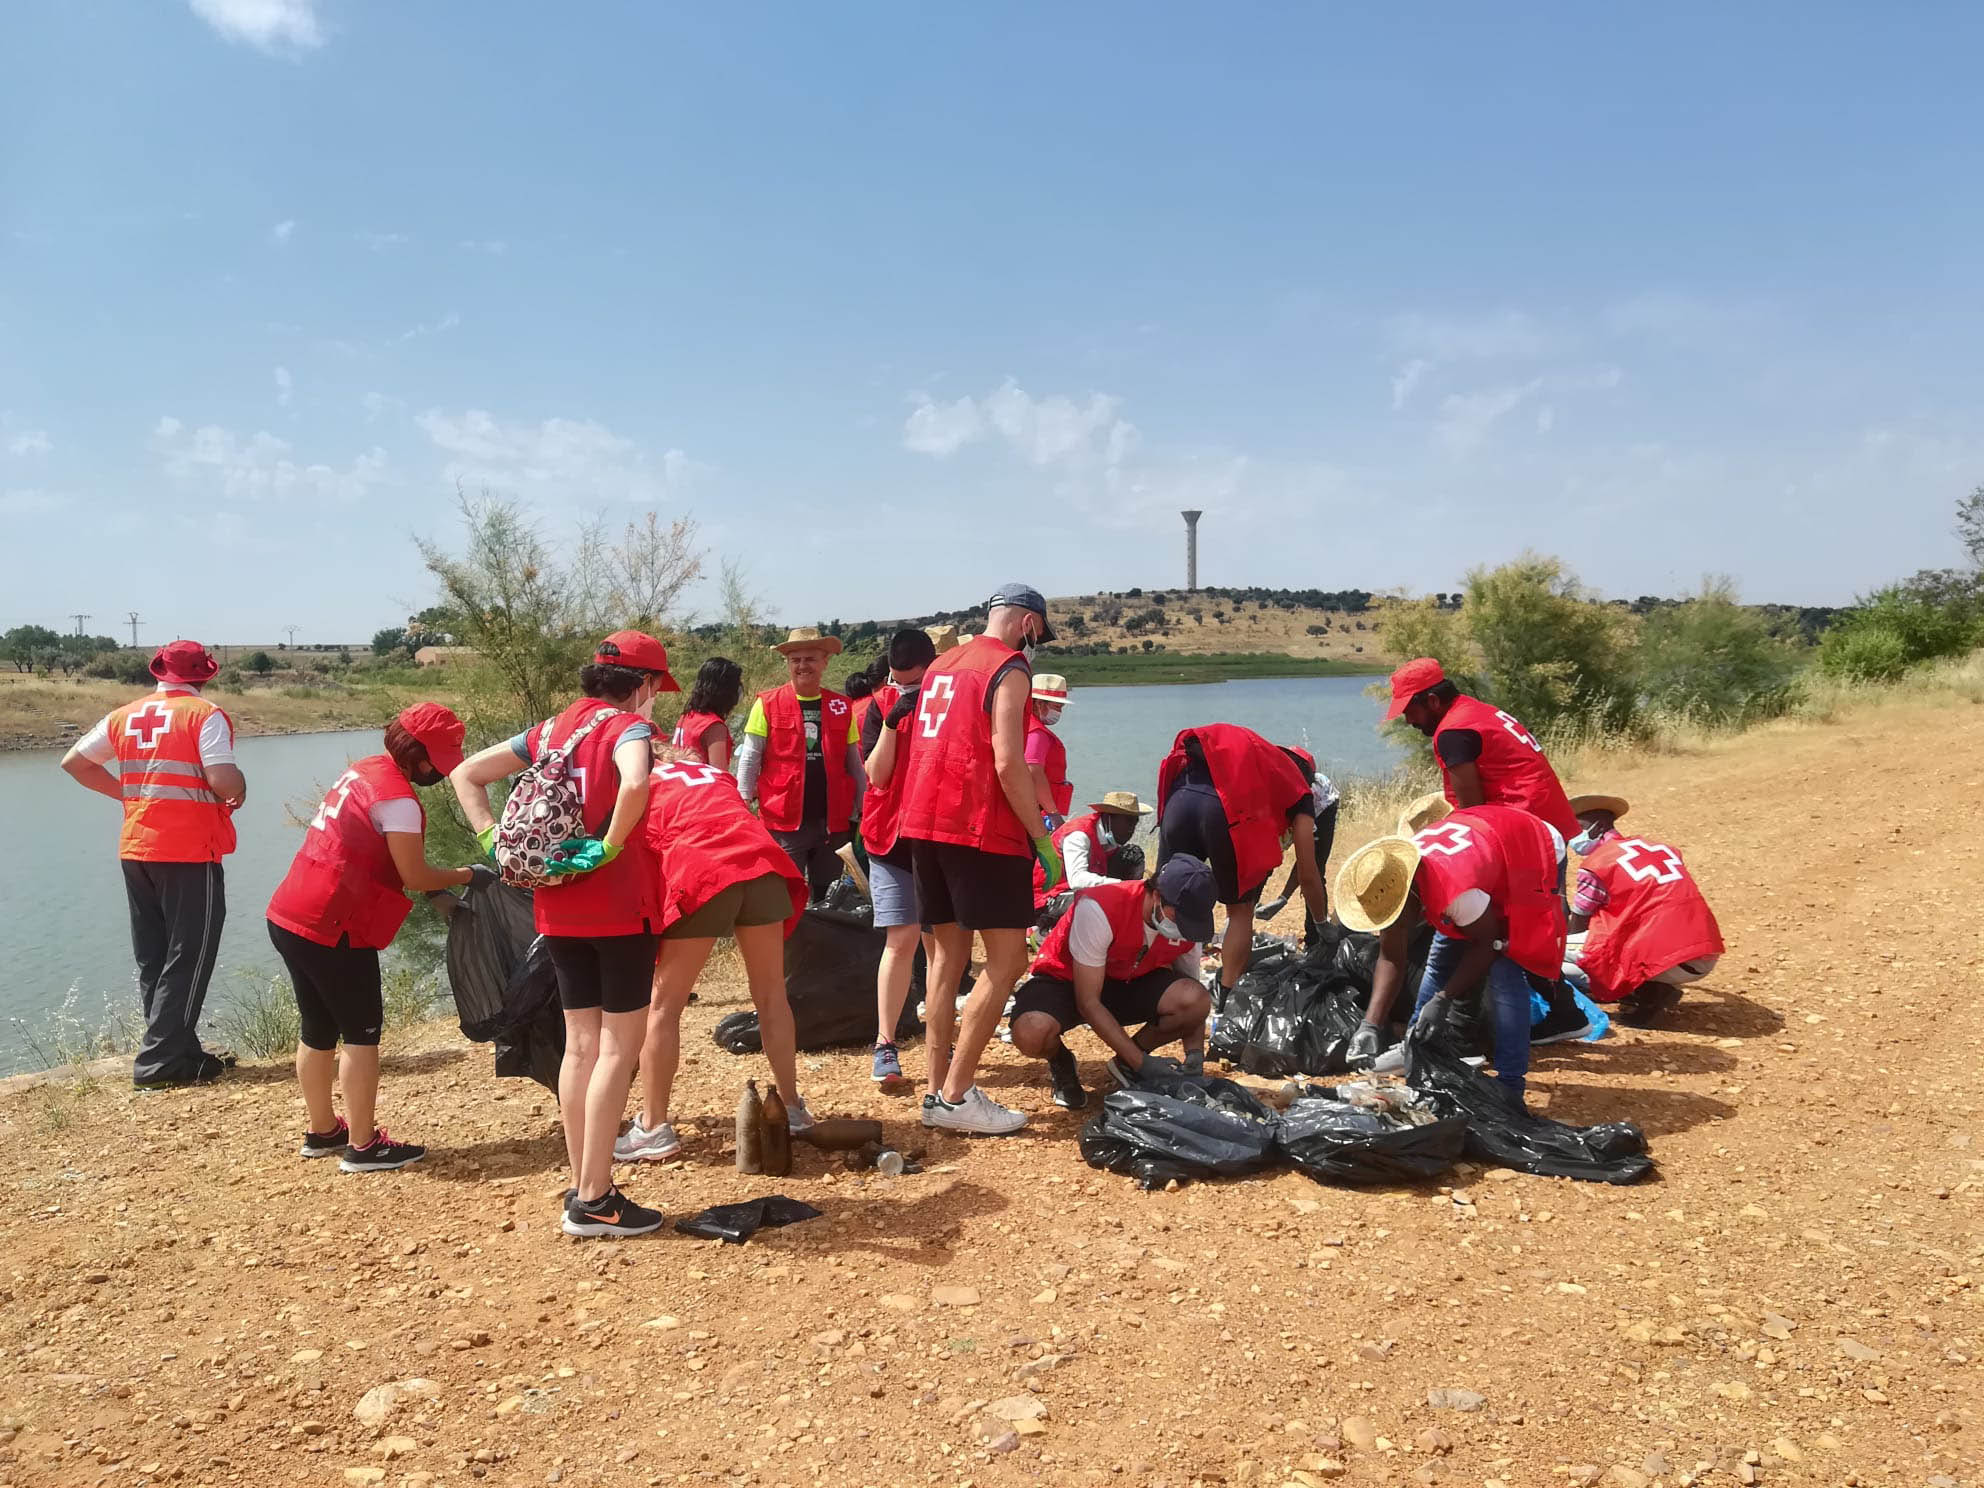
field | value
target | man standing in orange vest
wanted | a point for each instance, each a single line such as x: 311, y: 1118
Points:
x: 800, y: 761
x: 169, y: 759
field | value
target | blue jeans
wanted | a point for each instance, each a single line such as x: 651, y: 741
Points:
x: 1506, y: 989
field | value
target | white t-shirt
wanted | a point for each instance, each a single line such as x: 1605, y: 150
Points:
x: 1089, y: 939
x: 216, y: 735
x: 397, y: 815
x: 1075, y: 867
x: 1471, y: 904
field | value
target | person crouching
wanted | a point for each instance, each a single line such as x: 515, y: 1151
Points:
x: 1125, y: 953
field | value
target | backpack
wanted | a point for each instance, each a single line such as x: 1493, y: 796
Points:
x: 545, y: 808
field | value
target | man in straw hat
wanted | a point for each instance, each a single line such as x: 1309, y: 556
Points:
x: 1046, y: 755
x: 970, y: 810
x: 801, y: 760
x: 168, y: 758
x: 1486, y: 878
x: 1127, y: 952
x: 1484, y: 754
x: 1085, y: 843
x: 1640, y: 928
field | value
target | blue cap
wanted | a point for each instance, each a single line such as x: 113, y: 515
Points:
x: 1185, y: 883
x: 1024, y: 597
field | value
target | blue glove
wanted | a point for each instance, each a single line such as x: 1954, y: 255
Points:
x: 580, y: 855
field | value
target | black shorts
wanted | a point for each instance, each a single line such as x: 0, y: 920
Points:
x: 1195, y: 824
x: 979, y: 890
x: 337, y: 989
x: 1131, y: 1002
x: 611, y: 972
x: 764, y: 900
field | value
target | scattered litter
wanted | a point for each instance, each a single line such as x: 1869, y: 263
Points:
x: 736, y: 1223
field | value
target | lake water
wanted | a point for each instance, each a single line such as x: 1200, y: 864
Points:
x: 65, y: 925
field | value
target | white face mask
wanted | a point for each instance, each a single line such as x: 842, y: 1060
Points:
x: 1105, y: 832
x: 1586, y: 840
x: 1166, y: 927
x: 1048, y: 713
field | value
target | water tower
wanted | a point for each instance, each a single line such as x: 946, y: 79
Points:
x: 1191, y: 550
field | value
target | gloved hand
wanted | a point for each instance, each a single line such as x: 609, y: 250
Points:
x: 581, y: 855
x: 482, y: 876
x: 1431, y: 1019
x: 1050, y: 861
x: 905, y: 705
x: 486, y: 840
x: 1155, y: 1065
x: 1055, y: 823
x: 1365, y: 1045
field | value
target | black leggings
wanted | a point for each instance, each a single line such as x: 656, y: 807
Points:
x: 337, y: 989
x: 613, y: 972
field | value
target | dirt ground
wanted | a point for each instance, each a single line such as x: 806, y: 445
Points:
x: 1794, y: 1298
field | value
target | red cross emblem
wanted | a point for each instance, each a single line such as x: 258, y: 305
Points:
x: 1650, y: 861
x: 1449, y: 839
x: 147, y: 723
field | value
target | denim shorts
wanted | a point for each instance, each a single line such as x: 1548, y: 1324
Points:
x: 893, y: 891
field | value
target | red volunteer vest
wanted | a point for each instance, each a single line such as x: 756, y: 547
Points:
x: 621, y: 898
x: 862, y: 707
x: 782, y: 775
x: 1509, y: 855
x: 1654, y: 919
x: 953, y: 792
x: 170, y: 814
x: 1129, y: 957
x: 1056, y: 765
x: 1088, y: 825
x: 693, y: 728
x: 1513, y: 769
x: 881, y: 807
x: 343, y: 881
x: 1257, y: 783
x: 703, y: 838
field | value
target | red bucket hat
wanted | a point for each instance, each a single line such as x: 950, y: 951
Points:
x: 1412, y: 679
x: 184, y: 661
x: 633, y: 648
x: 438, y: 731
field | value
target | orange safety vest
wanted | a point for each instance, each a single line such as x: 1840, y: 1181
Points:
x: 170, y: 813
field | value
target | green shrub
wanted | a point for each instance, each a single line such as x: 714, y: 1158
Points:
x: 1901, y: 626
x: 259, y: 1017
x: 1711, y: 660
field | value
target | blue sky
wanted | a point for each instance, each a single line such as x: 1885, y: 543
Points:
x: 904, y: 300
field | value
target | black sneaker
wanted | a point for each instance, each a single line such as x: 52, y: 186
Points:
x: 326, y: 1144
x: 382, y: 1156
x: 203, y: 1071
x: 1565, y: 1020
x: 1644, y: 1007
x: 613, y: 1215
x: 1067, y: 1078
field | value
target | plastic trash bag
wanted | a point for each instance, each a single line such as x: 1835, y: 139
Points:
x: 1180, y: 1127
x: 1336, y: 1142
x: 1289, y: 1015
x: 500, y: 973
x: 1501, y: 1131
x: 830, y: 963
x: 735, y: 1223
x: 1596, y: 1016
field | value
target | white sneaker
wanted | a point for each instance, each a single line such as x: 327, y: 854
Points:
x: 642, y: 1144
x: 797, y: 1117
x: 977, y: 1113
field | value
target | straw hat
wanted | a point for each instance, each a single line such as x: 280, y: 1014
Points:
x: 1615, y: 805
x: 1372, y: 885
x: 1422, y: 813
x: 805, y: 636
x: 944, y: 638
x: 1121, y: 803
x: 1050, y: 687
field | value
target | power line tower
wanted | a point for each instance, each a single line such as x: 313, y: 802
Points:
x: 134, y: 630
x: 79, y: 619
x: 292, y: 630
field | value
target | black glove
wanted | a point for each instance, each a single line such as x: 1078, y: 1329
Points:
x: 482, y: 876
x: 1365, y: 1045
x: 1155, y: 1065
x: 905, y: 705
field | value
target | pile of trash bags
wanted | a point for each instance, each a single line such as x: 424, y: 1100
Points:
x: 1294, y: 1011
x: 500, y: 972
x: 830, y: 964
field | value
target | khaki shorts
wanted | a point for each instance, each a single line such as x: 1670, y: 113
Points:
x: 764, y: 900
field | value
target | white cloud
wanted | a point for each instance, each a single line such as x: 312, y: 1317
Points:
x: 283, y: 231
x: 29, y: 442
x: 1054, y: 430
x: 1466, y: 418
x: 284, y: 385
x: 490, y: 246
x: 429, y: 328
x: 1546, y: 418
x: 257, y: 467
x: 571, y: 461
x: 279, y: 27
x: 30, y: 503
x: 1500, y: 336
x: 1406, y: 379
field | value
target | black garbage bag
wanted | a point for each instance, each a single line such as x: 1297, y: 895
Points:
x: 735, y: 1223
x: 1501, y: 1131
x: 830, y: 962
x: 499, y: 971
x: 1355, y: 958
x: 1125, y: 862
x: 1336, y: 1142
x: 1289, y: 1015
x: 1182, y: 1127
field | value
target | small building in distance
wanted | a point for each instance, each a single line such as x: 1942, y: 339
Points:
x: 443, y: 655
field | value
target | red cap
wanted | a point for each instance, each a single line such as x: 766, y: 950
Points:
x: 439, y: 732
x: 1412, y: 679
x: 184, y: 661
x: 633, y: 648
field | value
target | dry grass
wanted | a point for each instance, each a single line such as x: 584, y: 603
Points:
x: 40, y: 712
x: 1249, y: 629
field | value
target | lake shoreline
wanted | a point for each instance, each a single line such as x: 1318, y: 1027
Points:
x: 31, y: 743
